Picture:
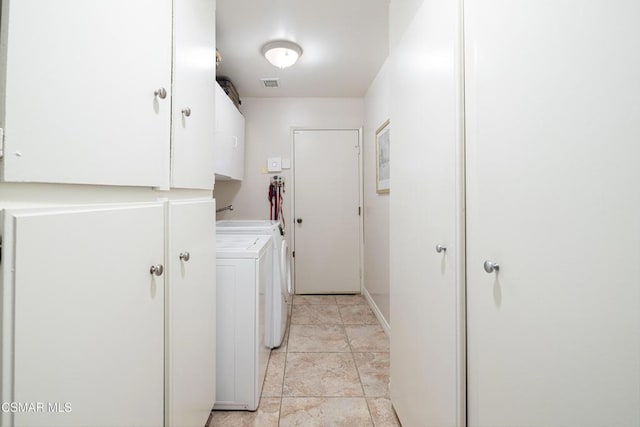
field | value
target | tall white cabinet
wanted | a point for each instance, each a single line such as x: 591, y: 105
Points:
x: 427, y: 284
x: 538, y: 286
x: 108, y: 285
x: 553, y: 198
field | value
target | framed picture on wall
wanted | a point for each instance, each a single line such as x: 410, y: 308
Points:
x: 382, y: 158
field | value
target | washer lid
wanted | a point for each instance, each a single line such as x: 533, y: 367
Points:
x: 241, y: 246
x: 230, y: 226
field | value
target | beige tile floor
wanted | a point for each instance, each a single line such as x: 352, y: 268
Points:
x: 331, y: 371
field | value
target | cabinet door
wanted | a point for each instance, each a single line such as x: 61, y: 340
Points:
x: 229, y: 140
x: 194, y: 82
x: 237, y: 148
x: 427, y: 286
x: 191, y: 314
x: 552, y: 167
x: 88, y: 335
x: 79, y: 82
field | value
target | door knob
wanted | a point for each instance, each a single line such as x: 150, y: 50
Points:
x: 161, y: 93
x: 490, y: 266
x: 299, y: 220
x: 185, y: 256
x: 156, y: 269
x: 186, y: 112
x: 440, y: 248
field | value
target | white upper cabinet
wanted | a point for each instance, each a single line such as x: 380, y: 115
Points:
x: 78, y: 83
x: 194, y: 83
x: 229, y: 140
x: 86, y: 92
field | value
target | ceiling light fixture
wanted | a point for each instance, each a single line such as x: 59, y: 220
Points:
x: 282, y: 53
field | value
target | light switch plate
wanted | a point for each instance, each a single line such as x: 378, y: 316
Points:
x: 274, y: 164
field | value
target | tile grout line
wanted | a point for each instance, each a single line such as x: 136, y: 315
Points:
x: 355, y: 364
x: 284, y: 369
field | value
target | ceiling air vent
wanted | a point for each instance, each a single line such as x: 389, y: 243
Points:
x: 270, y: 82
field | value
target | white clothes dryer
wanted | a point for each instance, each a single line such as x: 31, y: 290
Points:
x: 243, y: 274
x: 278, y: 300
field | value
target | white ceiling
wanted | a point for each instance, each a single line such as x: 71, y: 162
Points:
x: 344, y: 44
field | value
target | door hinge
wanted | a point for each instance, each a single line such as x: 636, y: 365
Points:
x: 293, y: 254
x: 1, y: 143
x: 359, y: 211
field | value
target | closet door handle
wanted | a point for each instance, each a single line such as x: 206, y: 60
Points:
x: 299, y: 220
x: 440, y: 249
x: 156, y: 270
x: 186, y: 112
x: 185, y: 256
x: 161, y: 93
x: 490, y: 266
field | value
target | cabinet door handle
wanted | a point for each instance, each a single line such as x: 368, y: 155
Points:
x: 186, y: 112
x: 161, y: 93
x: 490, y: 266
x: 440, y: 249
x: 185, y: 256
x: 157, y: 270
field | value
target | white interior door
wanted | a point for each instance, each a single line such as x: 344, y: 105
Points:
x: 88, y: 316
x: 194, y: 83
x: 427, y: 286
x: 78, y: 101
x: 191, y: 314
x: 326, y: 211
x: 552, y: 165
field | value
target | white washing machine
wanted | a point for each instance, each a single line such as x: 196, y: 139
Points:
x: 278, y: 299
x: 243, y: 274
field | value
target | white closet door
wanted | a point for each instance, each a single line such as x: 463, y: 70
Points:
x: 552, y: 166
x: 88, y: 316
x: 79, y: 103
x: 427, y: 293
x: 191, y: 314
x: 194, y: 82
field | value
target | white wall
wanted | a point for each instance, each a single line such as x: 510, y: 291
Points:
x: 401, y: 14
x: 268, y: 134
x: 376, y: 206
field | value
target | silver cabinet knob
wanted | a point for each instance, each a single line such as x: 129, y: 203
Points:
x: 161, y: 93
x: 156, y: 269
x: 185, y: 256
x: 490, y: 266
x: 440, y: 249
x: 186, y: 112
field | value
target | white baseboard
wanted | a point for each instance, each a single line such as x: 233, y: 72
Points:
x: 377, y: 312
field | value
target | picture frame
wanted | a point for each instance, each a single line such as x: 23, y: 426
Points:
x: 383, y: 140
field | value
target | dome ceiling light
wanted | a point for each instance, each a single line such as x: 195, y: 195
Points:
x: 282, y: 53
